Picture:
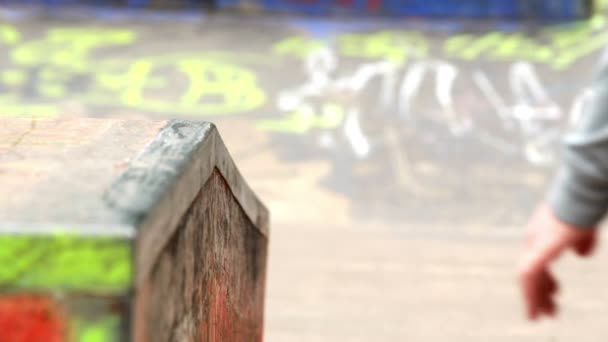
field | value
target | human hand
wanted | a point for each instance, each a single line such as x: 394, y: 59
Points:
x: 547, y: 238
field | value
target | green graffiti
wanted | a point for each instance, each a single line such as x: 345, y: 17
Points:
x: 9, y: 106
x: 394, y: 46
x: 65, y: 262
x: 50, y: 82
x: 28, y: 110
x: 55, y: 57
x: 65, y: 64
x: 102, y: 330
x: 69, y: 47
x: 297, y: 46
x: 9, y: 35
x: 557, y: 47
x: 497, y: 45
x: 129, y: 85
x: 236, y: 86
x: 567, y: 58
x: 213, y: 87
x: 304, y: 119
x: 601, y: 5
x: 13, y: 77
x: 62, y: 65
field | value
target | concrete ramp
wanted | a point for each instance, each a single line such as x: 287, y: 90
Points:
x: 127, y: 230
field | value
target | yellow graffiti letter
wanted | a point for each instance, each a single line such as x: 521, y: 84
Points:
x: 69, y: 47
x: 9, y: 35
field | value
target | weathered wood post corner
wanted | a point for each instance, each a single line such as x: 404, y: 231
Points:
x: 127, y: 230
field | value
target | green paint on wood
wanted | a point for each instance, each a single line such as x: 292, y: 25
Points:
x: 65, y: 262
x: 102, y: 330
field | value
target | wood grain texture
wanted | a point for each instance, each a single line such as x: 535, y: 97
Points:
x: 208, y: 284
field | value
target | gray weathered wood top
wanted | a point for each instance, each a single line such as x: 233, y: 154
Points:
x: 109, y: 176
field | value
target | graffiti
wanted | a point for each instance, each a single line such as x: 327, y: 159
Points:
x: 67, y: 64
x: 349, y: 78
x: 107, y: 328
x: 44, y: 317
x: 101, y: 264
x: 304, y: 118
x: 63, y: 66
x: 9, y: 106
x: 297, y: 46
x: 399, y: 80
x: 213, y: 87
x: 445, y: 75
x: 31, y: 318
x: 313, y: 105
x: 558, y: 47
x: 308, y: 108
x: 68, y: 47
x: 526, y: 110
x: 564, y: 47
x: 522, y: 104
x: 9, y: 35
x: 533, y: 115
x: 393, y: 46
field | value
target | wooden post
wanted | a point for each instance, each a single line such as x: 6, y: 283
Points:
x: 127, y: 230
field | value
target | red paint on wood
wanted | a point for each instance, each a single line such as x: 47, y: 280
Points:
x: 29, y: 318
x: 208, y: 283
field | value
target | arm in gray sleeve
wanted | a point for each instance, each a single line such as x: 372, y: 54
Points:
x: 579, y: 194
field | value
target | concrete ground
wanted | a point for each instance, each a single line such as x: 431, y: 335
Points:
x: 370, y: 284
x: 399, y: 159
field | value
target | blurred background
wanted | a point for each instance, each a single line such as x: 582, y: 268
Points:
x: 400, y: 145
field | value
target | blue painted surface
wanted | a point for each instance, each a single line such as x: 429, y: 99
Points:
x: 544, y: 9
x: 129, y: 3
x: 103, y: 12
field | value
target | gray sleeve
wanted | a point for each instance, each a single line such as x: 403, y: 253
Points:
x: 579, y: 194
